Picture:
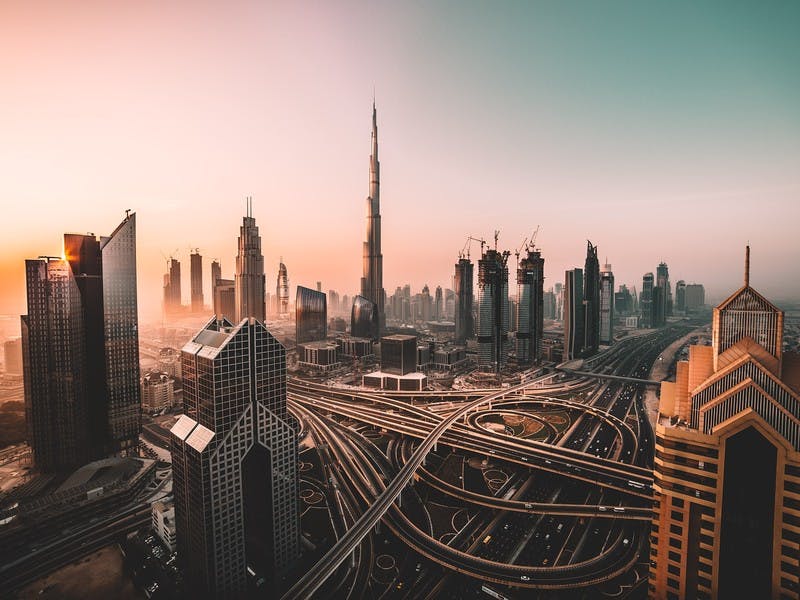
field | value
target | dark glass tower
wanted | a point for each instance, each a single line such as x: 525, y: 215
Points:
x: 493, y: 309
x: 311, y: 315
x: 530, y: 312
x: 364, y: 319
x: 573, y: 314
x: 81, y: 350
x: 591, y: 298
x: 372, y: 281
x: 646, y: 301
x: 234, y: 467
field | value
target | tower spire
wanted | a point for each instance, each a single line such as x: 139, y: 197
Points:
x: 747, y: 265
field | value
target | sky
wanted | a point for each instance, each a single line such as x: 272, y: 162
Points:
x: 657, y: 130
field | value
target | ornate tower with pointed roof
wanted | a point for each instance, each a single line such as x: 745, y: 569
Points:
x: 727, y: 469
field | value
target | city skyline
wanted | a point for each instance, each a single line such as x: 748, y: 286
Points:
x: 544, y: 138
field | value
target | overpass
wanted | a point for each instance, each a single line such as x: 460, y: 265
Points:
x: 650, y: 382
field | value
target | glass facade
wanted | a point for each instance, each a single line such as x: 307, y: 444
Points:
x: 399, y: 354
x: 530, y: 311
x: 121, y: 335
x: 81, y: 350
x: 573, y: 314
x: 235, y: 461
x: 364, y: 319
x: 492, y: 310
x: 465, y: 321
x: 311, y: 315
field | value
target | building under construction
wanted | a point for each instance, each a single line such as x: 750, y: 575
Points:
x: 493, y: 309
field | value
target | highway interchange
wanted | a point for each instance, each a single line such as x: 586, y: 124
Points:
x: 573, y: 513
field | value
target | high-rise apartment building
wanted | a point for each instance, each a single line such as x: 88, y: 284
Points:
x: 234, y: 463
x: 249, y: 278
x: 646, y: 301
x: 372, y: 281
x: 196, y: 281
x: 558, y: 290
x: 573, y: 314
x: 493, y: 309
x: 530, y: 309
x: 311, y: 315
x: 462, y: 282
x: 81, y: 350
x: 606, y: 305
x: 726, y: 517
x: 12, y: 356
x: 438, y: 304
x: 591, y: 299
x: 623, y: 301
x: 172, y: 287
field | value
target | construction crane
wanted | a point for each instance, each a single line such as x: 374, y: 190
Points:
x: 466, y: 247
x: 533, y: 237
x: 522, y: 246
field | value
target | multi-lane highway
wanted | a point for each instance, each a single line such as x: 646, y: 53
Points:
x: 589, y: 472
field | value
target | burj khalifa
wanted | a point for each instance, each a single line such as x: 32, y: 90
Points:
x: 372, y: 281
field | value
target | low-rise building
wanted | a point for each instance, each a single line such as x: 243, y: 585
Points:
x: 163, y: 513
x: 158, y: 392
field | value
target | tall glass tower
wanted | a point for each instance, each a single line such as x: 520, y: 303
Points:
x: 81, y: 350
x: 372, y: 281
x: 493, y: 309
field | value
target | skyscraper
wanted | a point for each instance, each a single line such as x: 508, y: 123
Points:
x: 727, y: 467
x: 372, y: 281
x: 81, y: 350
x: 680, y: 296
x: 216, y: 273
x: 172, y: 287
x: 234, y: 456
x: 591, y: 298
x: 462, y: 282
x: 311, y: 315
x: 530, y: 312
x: 249, y: 277
x: 493, y: 309
x: 662, y: 281
x: 364, y: 319
x: 225, y: 298
x: 646, y: 301
x: 573, y: 314
x: 196, y: 272
x: 695, y: 296
x: 606, y: 305
x: 438, y: 304
x: 282, y: 289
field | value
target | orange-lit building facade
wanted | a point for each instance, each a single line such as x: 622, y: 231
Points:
x: 726, y: 520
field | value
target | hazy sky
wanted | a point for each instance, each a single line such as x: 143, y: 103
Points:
x: 659, y: 130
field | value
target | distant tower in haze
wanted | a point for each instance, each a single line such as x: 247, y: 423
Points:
x: 216, y: 273
x: 282, y: 289
x: 438, y: 304
x: 646, y: 301
x: 574, y: 319
x: 465, y: 322
x: 364, y: 319
x: 196, y: 271
x: 172, y: 287
x: 591, y: 298
x: 234, y: 463
x: 372, y: 281
x: 680, y: 296
x: 530, y: 312
x: 606, y: 305
x: 662, y: 281
x: 727, y: 472
x: 249, y: 278
x: 81, y: 350
x: 493, y: 309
